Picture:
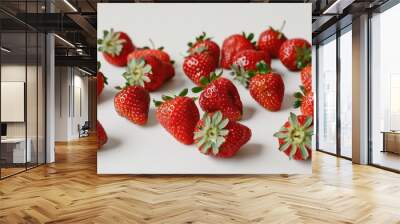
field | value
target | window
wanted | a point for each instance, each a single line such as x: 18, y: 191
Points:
x: 327, y: 96
x: 385, y: 89
x: 346, y: 92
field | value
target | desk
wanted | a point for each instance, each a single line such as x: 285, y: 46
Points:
x: 391, y: 141
x: 16, y: 147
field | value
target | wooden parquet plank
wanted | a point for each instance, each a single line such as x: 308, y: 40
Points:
x: 70, y: 191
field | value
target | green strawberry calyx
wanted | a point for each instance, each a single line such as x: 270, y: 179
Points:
x: 166, y: 98
x: 280, y: 34
x: 98, y: 70
x: 296, y: 137
x: 212, y: 134
x: 201, y: 38
x: 111, y: 44
x: 137, y: 72
x: 299, y: 97
x: 243, y: 76
x: 303, y: 56
x: 204, y: 81
x: 249, y: 37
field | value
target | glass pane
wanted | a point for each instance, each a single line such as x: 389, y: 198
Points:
x: 13, y: 86
x: 346, y: 94
x: 327, y: 97
x: 41, y: 98
x: 31, y: 99
x: 385, y: 84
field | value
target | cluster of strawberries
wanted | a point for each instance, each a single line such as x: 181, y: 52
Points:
x: 218, y: 132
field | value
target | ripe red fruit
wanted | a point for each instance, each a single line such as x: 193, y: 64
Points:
x: 199, y: 64
x: 133, y: 103
x: 115, y: 47
x: 271, y: 40
x: 295, y: 54
x: 306, y: 78
x: 248, y: 59
x: 178, y: 115
x: 218, y: 136
x: 234, y: 44
x: 266, y: 87
x: 147, y: 71
x: 158, y: 53
x: 220, y: 94
x: 166, y: 63
x: 295, y: 137
x: 304, y: 100
x: 101, y: 80
x: 204, y: 42
x: 101, y: 135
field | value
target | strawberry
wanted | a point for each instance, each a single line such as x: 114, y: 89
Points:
x: 218, y: 136
x: 205, y: 42
x: 306, y: 78
x: 115, y: 47
x: 199, y: 64
x: 295, y: 54
x: 101, y: 80
x: 157, y: 52
x: 304, y: 100
x: 271, y: 40
x: 248, y: 59
x: 101, y: 135
x: 166, y: 63
x: 147, y: 71
x: 178, y: 115
x: 220, y: 94
x: 266, y: 87
x: 133, y: 103
x: 295, y: 137
x: 234, y: 44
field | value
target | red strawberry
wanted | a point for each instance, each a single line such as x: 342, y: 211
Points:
x: 199, y: 64
x: 306, y: 78
x: 101, y: 80
x: 295, y: 137
x: 178, y: 115
x: 266, y: 87
x: 101, y: 135
x: 205, y: 42
x: 234, y: 44
x: 157, y: 52
x: 115, y: 47
x: 248, y: 59
x: 147, y: 71
x: 167, y: 64
x: 295, y: 54
x: 271, y: 41
x: 220, y: 137
x: 133, y: 103
x: 220, y: 94
x: 304, y: 100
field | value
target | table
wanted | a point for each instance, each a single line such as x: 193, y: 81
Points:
x: 391, y: 141
x: 18, y: 149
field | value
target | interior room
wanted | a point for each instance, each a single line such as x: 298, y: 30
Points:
x: 50, y: 138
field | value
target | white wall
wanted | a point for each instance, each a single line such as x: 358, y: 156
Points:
x: 70, y: 84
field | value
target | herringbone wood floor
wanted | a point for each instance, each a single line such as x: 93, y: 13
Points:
x: 69, y: 191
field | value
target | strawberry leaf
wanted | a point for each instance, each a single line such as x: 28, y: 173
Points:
x: 204, y: 81
x: 166, y: 98
x: 197, y: 89
x: 184, y: 92
x: 298, y: 95
x: 262, y: 67
x: 297, y: 104
x: 157, y: 103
